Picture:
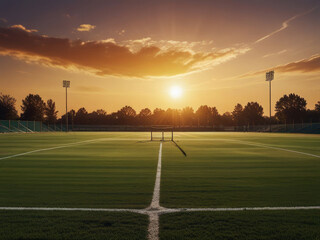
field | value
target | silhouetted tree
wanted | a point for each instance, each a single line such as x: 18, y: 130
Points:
x: 237, y: 115
x: 145, y: 116
x: 253, y: 113
x: 81, y: 116
x: 203, y: 115
x: 215, y: 117
x: 158, y: 116
x: 187, y: 115
x: 291, y: 108
x: 33, y: 108
x: 126, y: 115
x: 7, y: 107
x: 317, y: 106
x: 50, y: 111
x: 226, y: 119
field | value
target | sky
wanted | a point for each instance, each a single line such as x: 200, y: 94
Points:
x: 118, y: 53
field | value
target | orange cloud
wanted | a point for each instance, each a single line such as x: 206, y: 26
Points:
x: 307, y: 65
x: 23, y: 28
x: 85, y: 27
x: 109, y: 58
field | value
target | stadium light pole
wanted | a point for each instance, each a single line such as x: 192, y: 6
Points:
x: 269, y: 78
x: 66, y: 84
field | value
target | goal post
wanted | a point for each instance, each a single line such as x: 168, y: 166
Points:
x: 161, y: 133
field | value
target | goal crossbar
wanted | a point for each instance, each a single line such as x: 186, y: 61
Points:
x: 162, y: 130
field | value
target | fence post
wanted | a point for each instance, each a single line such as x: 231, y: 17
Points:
x: 34, y: 125
x: 9, y: 125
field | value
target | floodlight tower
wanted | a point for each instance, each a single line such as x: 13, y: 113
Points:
x: 269, y: 78
x: 66, y: 84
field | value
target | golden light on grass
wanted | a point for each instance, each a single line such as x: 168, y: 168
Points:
x: 176, y: 92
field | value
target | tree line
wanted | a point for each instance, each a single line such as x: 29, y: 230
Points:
x: 289, y: 109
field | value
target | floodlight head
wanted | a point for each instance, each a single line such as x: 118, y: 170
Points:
x: 270, y: 76
x: 66, y: 83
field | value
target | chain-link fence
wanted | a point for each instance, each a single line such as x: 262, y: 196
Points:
x: 7, y: 126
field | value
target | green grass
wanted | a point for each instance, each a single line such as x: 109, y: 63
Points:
x: 247, y: 225
x: 118, y: 171
x: 37, y: 225
x: 219, y: 172
x: 113, y: 174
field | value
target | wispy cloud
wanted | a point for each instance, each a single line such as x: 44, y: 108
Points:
x: 3, y: 20
x: 150, y: 59
x: 85, y: 27
x: 285, y: 24
x: 276, y: 53
x: 24, y: 29
x: 307, y: 65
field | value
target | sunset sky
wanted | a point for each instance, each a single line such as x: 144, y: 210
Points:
x: 118, y: 53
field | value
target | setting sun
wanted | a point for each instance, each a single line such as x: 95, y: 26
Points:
x: 176, y: 92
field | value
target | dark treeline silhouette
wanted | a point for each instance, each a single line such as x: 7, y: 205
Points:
x: 289, y: 109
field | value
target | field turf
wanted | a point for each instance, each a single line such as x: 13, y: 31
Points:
x: 246, y: 225
x: 57, y: 225
x: 117, y: 170
x: 226, y: 170
x: 106, y: 173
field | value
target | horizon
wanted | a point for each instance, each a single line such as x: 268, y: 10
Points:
x: 215, y: 52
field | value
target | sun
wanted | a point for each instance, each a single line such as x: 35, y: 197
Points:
x: 176, y: 92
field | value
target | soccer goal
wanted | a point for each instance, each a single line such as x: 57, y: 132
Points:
x: 161, y: 133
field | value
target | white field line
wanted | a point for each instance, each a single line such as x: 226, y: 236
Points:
x: 67, y: 145
x: 253, y: 144
x: 156, y: 192
x: 247, y: 209
x: 162, y: 210
x: 50, y: 148
x: 154, y: 209
x: 141, y: 211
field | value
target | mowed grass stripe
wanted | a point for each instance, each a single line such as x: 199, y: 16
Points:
x: 103, y: 174
x: 57, y: 225
x: 246, y: 225
x: 230, y: 174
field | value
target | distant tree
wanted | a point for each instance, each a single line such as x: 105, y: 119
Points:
x: 291, y: 108
x: 203, y: 115
x: 145, y: 116
x: 81, y: 117
x: 126, y: 115
x: 101, y: 112
x: 97, y: 117
x: 33, y: 108
x: 187, y: 116
x: 237, y: 115
x: 158, y: 116
x: 317, y: 106
x: 50, y: 111
x: 215, y: 116
x: 253, y: 113
x: 226, y: 119
x: 7, y: 107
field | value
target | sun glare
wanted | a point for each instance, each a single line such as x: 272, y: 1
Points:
x: 176, y: 92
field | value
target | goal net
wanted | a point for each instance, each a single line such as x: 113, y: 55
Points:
x: 161, y: 133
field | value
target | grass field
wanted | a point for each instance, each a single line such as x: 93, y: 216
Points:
x: 117, y: 170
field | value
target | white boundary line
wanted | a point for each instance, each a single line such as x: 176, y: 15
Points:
x: 252, y: 144
x: 50, y: 148
x: 154, y: 208
x: 162, y: 210
x: 155, y: 203
x: 67, y: 145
